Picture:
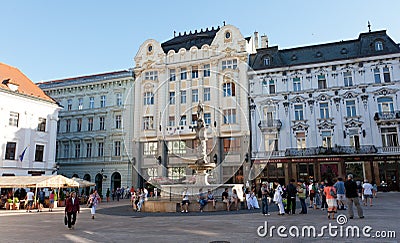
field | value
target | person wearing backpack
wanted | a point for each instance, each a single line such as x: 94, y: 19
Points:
x: 331, y: 199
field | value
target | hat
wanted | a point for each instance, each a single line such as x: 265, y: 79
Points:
x: 350, y: 176
x: 264, y: 183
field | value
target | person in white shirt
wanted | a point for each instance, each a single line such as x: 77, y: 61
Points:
x: 367, y: 191
x: 29, y: 198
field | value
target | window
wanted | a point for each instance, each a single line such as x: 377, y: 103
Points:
x: 79, y: 124
x: 68, y: 125
x: 207, y: 118
x: 172, y: 75
x: 351, y: 108
x: 195, y: 72
x: 77, y: 150
x: 148, y: 98
x: 14, y: 119
x: 119, y: 99
x: 324, y: 110
x: 264, y: 86
x: 69, y: 104
x: 117, y: 148
x: 148, y: 123
x: 322, y: 82
x: 41, y: 124
x: 10, y: 150
x: 271, y: 142
x: 118, y: 121
x: 183, y: 96
x: 88, y: 150
x: 66, y: 150
x: 206, y: 94
x: 194, y: 118
x: 102, y: 121
x: 385, y: 105
x: 171, y: 121
x: 354, y: 138
x: 229, y: 89
x: 266, y: 61
x: 301, y: 140
x: 151, y: 75
x: 100, y: 149
x: 298, y: 112
x: 231, y: 144
x: 326, y: 139
x: 378, y: 46
x: 230, y: 116
x: 296, y: 84
x: 80, y: 103
x: 206, y: 70
x: 102, y: 101
x: 91, y: 102
x: 183, y: 121
x: 348, y: 79
x: 39, y: 153
x: 183, y: 74
x: 176, y: 147
x: 172, y: 98
x: 90, y: 124
x: 272, y: 87
x: 377, y: 76
x: 232, y: 64
x: 389, y: 137
x: 386, y: 75
x: 195, y: 95
x: 176, y: 173
x: 150, y: 148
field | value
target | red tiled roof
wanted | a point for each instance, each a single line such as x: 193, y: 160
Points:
x: 25, y: 85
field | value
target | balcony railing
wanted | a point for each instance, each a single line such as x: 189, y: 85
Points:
x: 387, y: 115
x: 265, y: 124
x: 268, y: 154
x: 392, y: 150
x: 364, y: 149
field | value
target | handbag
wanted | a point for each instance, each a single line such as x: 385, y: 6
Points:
x: 65, y: 219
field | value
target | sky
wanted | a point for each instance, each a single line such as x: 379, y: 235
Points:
x: 49, y: 40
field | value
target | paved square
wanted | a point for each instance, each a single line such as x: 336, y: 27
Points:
x: 116, y: 222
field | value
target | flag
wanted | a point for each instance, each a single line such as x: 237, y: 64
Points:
x: 21, y: 157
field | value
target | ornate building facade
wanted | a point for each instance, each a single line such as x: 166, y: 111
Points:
x: 28, y: 121
x: 207, y: 66
x: 94, y: 129
x: 327, y: 110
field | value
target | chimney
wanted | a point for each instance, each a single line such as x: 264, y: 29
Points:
x: 256, y: 39
x: 264, y: 41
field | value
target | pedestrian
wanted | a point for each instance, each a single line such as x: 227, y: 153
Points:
x: 301, y: 193
x: 352, y: 197
x: 324, y: 205
x: 311, y: 193
x: 118, y: 194
x: 341, y: 193
x: 331, y: 199
x: 202, y: 199
x: 291, y: 197
x: 51, y: 201
x: 141, y: 200
x: 235, y: 199
x: 185, y: 201
x: 226, y: 199
x: 41, y: 200
x: 375, y: 188
x: 210, y: 197
x: 367, y: 193
x: 93, y: 202
x: 29, y: 199
x: 113, y: 194
x: 278, y: 198
x: 264, y: 198
x: 71, y: 208
x: 317, y: 196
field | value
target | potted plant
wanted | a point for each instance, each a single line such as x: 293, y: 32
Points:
x: 108, y: 194
x: 9, y: 203
x: 16, y: 203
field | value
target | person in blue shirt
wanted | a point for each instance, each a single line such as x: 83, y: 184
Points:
x: 341, y: 193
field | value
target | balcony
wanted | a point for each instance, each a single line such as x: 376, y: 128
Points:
x: 274, y: 124
x: 268, y: 154
x: 389, y: 150
x: 393, y: 115
x: 338, y: 150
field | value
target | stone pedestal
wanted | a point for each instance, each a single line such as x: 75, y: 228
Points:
x: 201, y: 173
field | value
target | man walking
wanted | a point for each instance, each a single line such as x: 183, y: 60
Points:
x: 352, y: 197
x: 264, y: 198
x: 291, y: 197
x: 71, y: 208
x: 340, y: 190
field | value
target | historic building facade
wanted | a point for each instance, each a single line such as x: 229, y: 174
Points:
x: 327, y: 110
x: 28, y: 121
x: 94, y: 129
x: 207, y: 66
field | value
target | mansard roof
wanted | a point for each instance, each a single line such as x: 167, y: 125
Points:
x: 364, y: 46
x: 186, y: 41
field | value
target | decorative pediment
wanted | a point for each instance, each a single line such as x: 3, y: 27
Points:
x: 323, y: 97
x: 296, y: 74
x: 321, y: 71
x: 385, y: 91
x: 350, y: 95
x: 297, y: 99
x: 299, y: 126
x: 148, y: 87
x: 326, y: 125
x: 353, y: 123
x: 229, y: 51
x: 148, y: 64
x: 269, y: 102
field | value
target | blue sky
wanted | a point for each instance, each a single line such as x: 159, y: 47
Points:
x: 50, y: 40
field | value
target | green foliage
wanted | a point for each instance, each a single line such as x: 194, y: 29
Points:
x: 9, y: 200
x: 16, y: 200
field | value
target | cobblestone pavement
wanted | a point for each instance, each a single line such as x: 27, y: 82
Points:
x: 116, y: 222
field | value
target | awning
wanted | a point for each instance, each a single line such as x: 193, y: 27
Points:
x: 56, y: 181
x: 83, y: 183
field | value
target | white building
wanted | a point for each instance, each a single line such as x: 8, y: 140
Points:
x: 327, y: 110
x: 171, y: 78
x: 28, y: 122
x: 95, y: 128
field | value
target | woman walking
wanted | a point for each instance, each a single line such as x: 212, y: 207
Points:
x: 331, y: 199
x: 93, y: 201
x: 278, y: 198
